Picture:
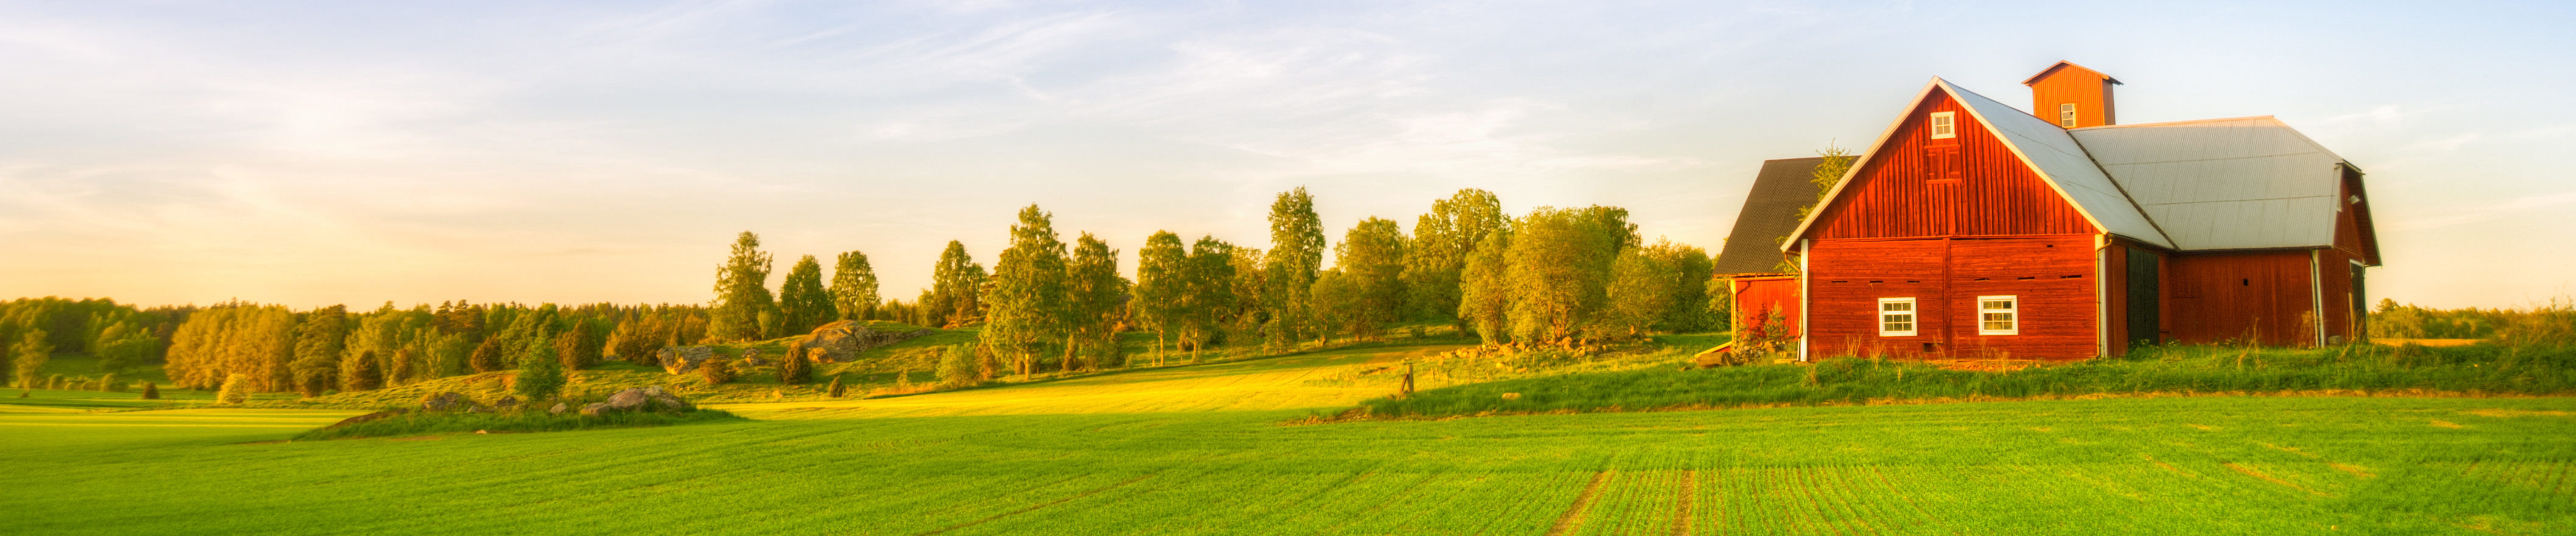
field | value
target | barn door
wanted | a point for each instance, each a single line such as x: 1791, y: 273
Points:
x: 2145, y: 326
x: 2360, y: 307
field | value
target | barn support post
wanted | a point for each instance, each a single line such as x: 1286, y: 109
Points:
x: 2317, y: 295
x: 1805, y: 251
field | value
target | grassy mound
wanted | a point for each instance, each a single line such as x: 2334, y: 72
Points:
x: 2477, y: 369
x: 401, y: 423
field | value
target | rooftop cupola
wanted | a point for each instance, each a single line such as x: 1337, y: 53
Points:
x: 2072, y: 96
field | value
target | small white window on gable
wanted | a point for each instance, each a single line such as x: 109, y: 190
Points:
x: 1998, y: 315
x: 2066, y: 115
x: 1896, y: 317
x: 1944, y: 125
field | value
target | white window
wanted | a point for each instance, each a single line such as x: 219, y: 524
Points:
x: 1942, y: 125
x: 1896, y: 317
x: 1998, y: 315
x: 2066, y: 115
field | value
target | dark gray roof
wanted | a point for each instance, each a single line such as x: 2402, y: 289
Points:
x: 1770, y: 212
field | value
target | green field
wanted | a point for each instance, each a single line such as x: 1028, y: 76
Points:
x: 1216, y: 449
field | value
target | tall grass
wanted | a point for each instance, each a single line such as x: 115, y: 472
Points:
x: 2539, y: 369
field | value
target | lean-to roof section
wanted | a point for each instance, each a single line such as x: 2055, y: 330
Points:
x: 2057, y: 157
x: 2241, y: 183
x: 1779, y: 190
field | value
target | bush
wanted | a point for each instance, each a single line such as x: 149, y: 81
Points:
x: 487, y: 356
x: 835, y: 390
x: 235, y: 392
x: 151, y: 392
x: 108, y: 384
x: 717, y: 371
x: 957, y: 368
x: 795, y: 369
x: 538, y: 379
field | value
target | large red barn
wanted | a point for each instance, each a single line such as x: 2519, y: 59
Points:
x: 1973, y: 229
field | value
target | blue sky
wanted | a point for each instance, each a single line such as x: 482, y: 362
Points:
x: 346, y: 152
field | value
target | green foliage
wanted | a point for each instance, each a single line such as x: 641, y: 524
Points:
x: 637, y: 340
x: 235, y: 391
x: 1442, y: 240
x: 151, y: 391
x: 540, y: 377
x: 254, y: 340
x: 795, y: 368
x: 1025, y: 315
x: 1094, y: 294
x: 320, y: 340
x: 1559, y: 269
x: 360, y: 372
x: 1162, y: 287
x: 956, y: 295
x: 29, y: 355
x: 716, y: 371
x: 403, y: 367
x: 1485, y: 288
x: 122, y: 346
x: 742, y: 292
x: 1372, y: 258
x: 803, y: 304
x: 958, y: 367
x: 487, y: 356
x: 1334, y: 294
x: 1837, y: 162
x: 1640, y: 292
x: 529, y: 419
x: 854, y: 287
x: 1295, y: 258
x: 835, y: 390
x: 1217, y: 276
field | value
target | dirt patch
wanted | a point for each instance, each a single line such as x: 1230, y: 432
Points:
x: 2508, y: 413
x: 2250, y: 471
x: 2356, y: 470
x: 2169, y: 467
x: 1572, y: 521
x: 2446, y: 424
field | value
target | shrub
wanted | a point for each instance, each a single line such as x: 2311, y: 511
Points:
x: 957, y: 368
x: 717, y: 371
x: 151, y: 392
x: 402, y: 367
x: 487, y: 356
x: 360, y: 373
x: 236, y: 391
x: 539, y: 378
x: 795, y: 369
x: 836, y: 390
x: 107, y: 383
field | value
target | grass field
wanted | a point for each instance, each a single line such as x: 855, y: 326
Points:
x: 1210, y: 449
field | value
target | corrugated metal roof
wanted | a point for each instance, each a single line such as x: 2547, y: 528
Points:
x: 1770, y: 212
x: 2242, y: 183
x: 2056, y: 155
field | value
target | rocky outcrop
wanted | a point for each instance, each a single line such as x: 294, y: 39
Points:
x: 652, y: 398
x: 682, y: 359
x: 842, y: 341
x: 447, y: 401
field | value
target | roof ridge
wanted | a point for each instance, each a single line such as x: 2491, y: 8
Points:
x: 2183, y: 122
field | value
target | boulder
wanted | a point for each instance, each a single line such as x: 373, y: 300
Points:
x: 506, y: 401
x: 682, y: 359
x: 627, y: 400
x: 446, y: 401
x: 594, y: 409
x: 842, y: 341
x: 559, y: 409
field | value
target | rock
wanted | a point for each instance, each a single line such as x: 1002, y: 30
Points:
x: 682, y: 359
x: 655, y: 391
x: 559, y: 409
x: 627, y: 400
x: 447, y: 401
x: 506, y: 401
x: 842, y: 341
x: 594, y: 409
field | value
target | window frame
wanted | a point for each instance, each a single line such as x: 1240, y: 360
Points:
x: 2066, y: 115
x: 1943, y: 125
x: 2012, y: 307
x: 1913, y: 317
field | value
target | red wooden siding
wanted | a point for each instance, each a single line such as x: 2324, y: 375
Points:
x: 2239, y: 296
x: 2052, y: 276
x: 2352, y: 224
x: 1971, y: 185
x: 1755, y: 297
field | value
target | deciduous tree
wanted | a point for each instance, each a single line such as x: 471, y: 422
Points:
x: 1094, y: 294
x: 1442, y: 239
x: 1026, y: 312
x: 854, y: 287
x: 1162, y: 287
x: 956, y: 288
x: 1371, y: 259
x: 1296, y: 255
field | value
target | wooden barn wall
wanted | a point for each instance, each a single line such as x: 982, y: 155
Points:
x: 2239, y: 296
x: 1755, y: 297
x: 2090, y: 93
x: 2051, y: 275
x: 2353, y: 224
x: 1971, y: 185
x: 2334, y: 283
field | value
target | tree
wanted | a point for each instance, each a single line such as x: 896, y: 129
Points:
x: 29, y: 355
x: 235, y: 392
x: 487, y: 356
x: 1094, y: 293
x: 802, y: 303
x: 1209, y: 299
x: 1442, y: 239
x: 1485, y: 293
x: 1296, y: 255
x: 1026, y: 311
x: 1559, y: 267
x: 636, y: 339
x: 151, y: 392
x: 359, y: 372
x: 1692, y: 272
x: 1162, y: 287
x: 1335, y: 296
x: 795, y: 368
x: 1640, y: 292
x: 1371, y: 257
x: 956, y: 288
x: 835, y: 390
x: 957, y: 367
x: 570, y: 349
x: 540, y: 377
x: 742, y: 291
x: 854, y: 287
x: 405, y: 364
